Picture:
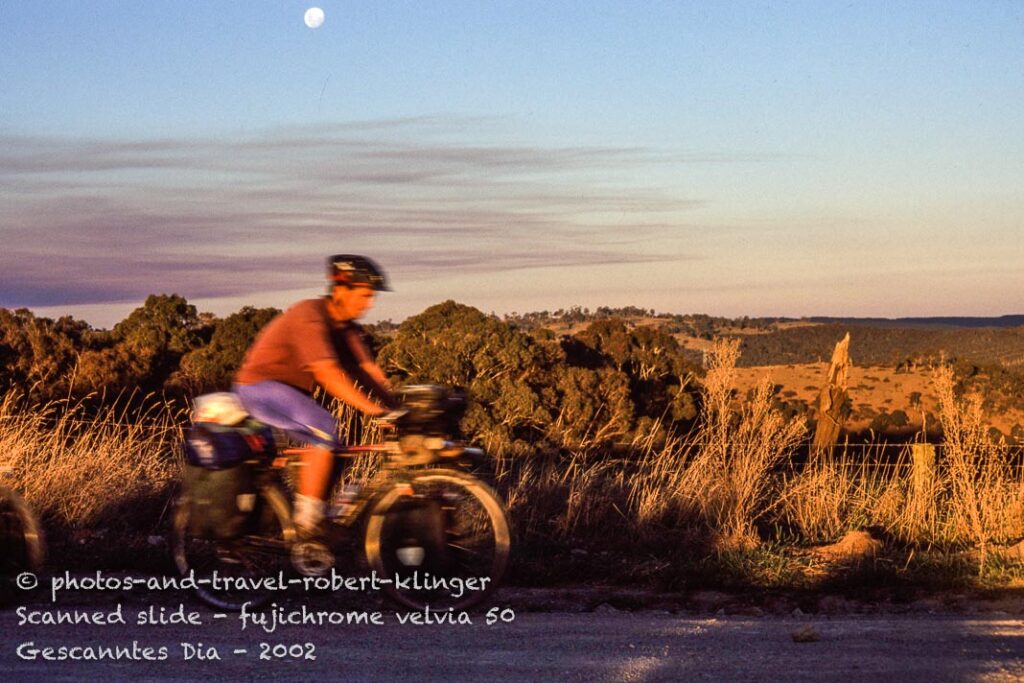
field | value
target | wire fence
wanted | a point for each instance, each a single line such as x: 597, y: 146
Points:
x: 874, y: 455
x: 897, y: 454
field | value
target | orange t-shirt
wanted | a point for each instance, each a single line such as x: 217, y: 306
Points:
x: 285, y: 350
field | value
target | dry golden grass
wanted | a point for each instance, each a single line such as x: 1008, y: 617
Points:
x: 826, y: 499
x: 717, y: 478
x: 873, y: 390
x: 839, y: 493
x: 736, y: 450
x: 984, y: 502
x: 662, y: 490
x: 722, y: 482
x: 81, y: 471
x: 971, y: 497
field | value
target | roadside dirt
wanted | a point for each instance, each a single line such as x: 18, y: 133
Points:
x: 572, y: 634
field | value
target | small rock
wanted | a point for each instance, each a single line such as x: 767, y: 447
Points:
x: 605, y: 608
x: 797, y: 612
x: 1015, y: 552
x: 720, y: 613
x: 854, y: 546
x: 806, y: 634
x: 154, y: 540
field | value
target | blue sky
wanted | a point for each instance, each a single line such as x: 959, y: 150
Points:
x: 754, y: 158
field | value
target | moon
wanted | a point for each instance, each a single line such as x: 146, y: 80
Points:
x: 314, y: 17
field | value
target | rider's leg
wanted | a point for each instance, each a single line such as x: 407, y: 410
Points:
x: 314, y: 476
x: 302, y: 418
x: 317, y: 465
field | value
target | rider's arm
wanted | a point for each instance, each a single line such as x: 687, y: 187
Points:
x: 371, y: 368
x: 368, y: 365
x: 336, y: 383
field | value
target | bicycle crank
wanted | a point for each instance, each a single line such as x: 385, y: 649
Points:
x: 311, y: 558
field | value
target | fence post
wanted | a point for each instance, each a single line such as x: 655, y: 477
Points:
x: 921, y: 503
x: 923, y: 461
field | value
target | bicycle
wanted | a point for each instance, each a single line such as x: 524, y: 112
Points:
x: 422, y: 515
x: 22, y: 545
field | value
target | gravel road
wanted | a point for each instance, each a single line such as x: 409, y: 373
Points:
x: 605, y: 645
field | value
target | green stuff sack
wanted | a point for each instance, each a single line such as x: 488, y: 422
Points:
x: 220, y: 501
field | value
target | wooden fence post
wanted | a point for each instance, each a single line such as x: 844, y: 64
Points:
x: 923, y: 461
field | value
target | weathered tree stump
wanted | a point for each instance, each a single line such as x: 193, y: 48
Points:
x: 832, y: 399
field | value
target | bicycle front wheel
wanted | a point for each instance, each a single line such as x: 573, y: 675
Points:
x: 443, y: 544
x: 241, y: 564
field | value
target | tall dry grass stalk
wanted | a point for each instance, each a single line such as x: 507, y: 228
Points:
x: 845, y: 491
x: 80, y: 469
x: 663, y: 491
x: 984, y: 497
x: 824, y: 499
x: 736, y: 451
x: 356, y: 428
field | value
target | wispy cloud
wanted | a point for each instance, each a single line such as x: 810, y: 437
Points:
x: 92, y: 221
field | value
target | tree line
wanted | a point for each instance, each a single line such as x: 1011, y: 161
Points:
x: 528, y: 386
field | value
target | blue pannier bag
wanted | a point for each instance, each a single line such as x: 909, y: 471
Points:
x: 219, y: 480
x: 216, y: 447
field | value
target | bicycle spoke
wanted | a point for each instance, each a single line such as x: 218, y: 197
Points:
x: 473, y: 541
x: 262, y: 552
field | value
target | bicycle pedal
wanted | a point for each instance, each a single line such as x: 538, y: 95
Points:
x: 312, y: 558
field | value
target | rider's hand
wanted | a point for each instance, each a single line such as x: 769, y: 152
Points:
x: 389, y: 421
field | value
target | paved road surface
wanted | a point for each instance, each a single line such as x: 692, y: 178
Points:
x: 619, y: 646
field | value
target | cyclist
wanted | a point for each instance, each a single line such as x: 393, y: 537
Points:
x: 317, y: 342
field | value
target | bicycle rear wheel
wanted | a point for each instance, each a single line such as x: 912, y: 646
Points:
x: 444, y: 546
x: 240, y: 563
x: 21, y: 540
x: 21, y: 537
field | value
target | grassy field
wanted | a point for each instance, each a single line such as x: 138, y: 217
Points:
x: 723, y: 506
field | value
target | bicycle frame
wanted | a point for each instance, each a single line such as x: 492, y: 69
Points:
x: 399, y: 458
x: 405, y: 470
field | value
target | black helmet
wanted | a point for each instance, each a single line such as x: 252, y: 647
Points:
x: 350, y: 269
